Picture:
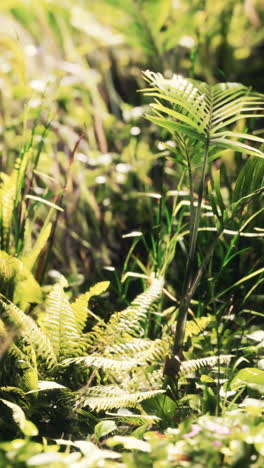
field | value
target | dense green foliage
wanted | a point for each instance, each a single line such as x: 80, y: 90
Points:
x: 131, y: 233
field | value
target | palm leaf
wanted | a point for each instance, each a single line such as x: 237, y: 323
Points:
x: 204, y: 112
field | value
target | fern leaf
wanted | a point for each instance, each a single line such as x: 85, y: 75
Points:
x: 80, y: 306
x: 127, y: 417
x: 197, y: 326
x: 129, y: 348
x: 211, y: 361
x: 104, y: 363
x: 26, y: 366
x: 142, y: 349
x: 59, y: 323
x: 27, y: 327
x: 128, y: 321
x: 102, y: 398
x: 156, y: 351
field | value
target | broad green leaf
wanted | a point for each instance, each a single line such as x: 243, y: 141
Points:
x: 27, y: 427
x: 104, y: 428
x: 129, y: 443
x: 251, y: 377
x: 160, y: 405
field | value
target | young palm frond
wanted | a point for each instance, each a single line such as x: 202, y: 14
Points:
x: 199, y: 117
x: 203, y: 112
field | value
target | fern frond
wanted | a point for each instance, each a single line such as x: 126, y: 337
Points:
x: 102, y: 398
x: 27, y: 327
x: 148, y: 352
x: 104, y: 363
x: 144, y: 349
x: 128, y: 321
x: 195, y: 364
x: 59, y: 323
x: 197, y: 326
x: 80, y: 305
x: 134, y: 419
x: 26, y: 366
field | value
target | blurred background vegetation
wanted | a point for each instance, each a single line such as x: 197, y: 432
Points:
x: 74, y: 68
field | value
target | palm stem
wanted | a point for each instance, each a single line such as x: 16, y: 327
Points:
x: 187, y: 288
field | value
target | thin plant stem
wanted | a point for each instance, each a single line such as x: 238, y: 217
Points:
x: 187, y: 288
